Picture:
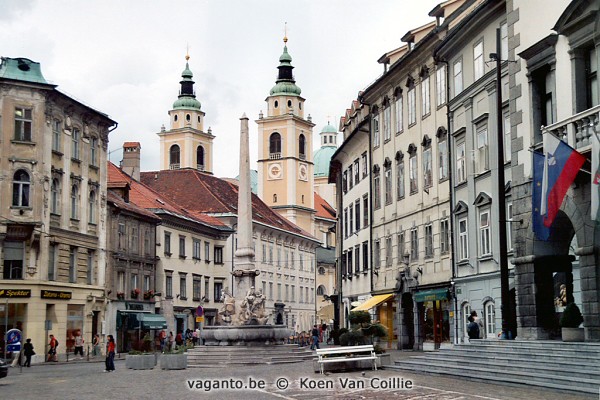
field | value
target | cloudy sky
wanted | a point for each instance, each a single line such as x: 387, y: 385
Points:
x: 125, y: 58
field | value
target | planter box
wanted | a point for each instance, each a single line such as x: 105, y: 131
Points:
x: 573, y: 334
x: 140, y: 361
x: 382, y: 360
x: 173, y: 361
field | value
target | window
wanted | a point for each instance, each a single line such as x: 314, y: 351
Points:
x: 412, y: 105
x: 207, y: 252
x: 400, y: 247
x: 121, y: 282
x: 377, y: 254
x: 365, y: 167
x: 504, y: 41
x: 94, y: 151
x: 490, y: 319
x: 122, y: 238
x: 349, y: 262
x: 23, y: 121
x: 73, y: 264
x: 134, y: 239
x: 134, y: 282
x: 350, y: 219
x: 218, y: 255
x: 413, y: 173
x: 543, y: 113
x: 90, y: 267
x: 365, y: 256
x: 387, y: 122
x: 321, y: 290
x: 13, y: 260
x: 167, y: 243
x: 458, y: 78
x: 399, y: 111
x: 92, y: 207
x: 275, y: 145
x: 182, y: 246
x: 440, y: 79
x: 21, y: 186
x: 466, y: 312
x: 482, y: 149
x: 174, y: 157
x: 444, y: 236
x: 146, y: 283
x: 388, y: 251
x: 414, y: 244
x: 478, y: 60
x: 287, y: 293
x: 182, y: 286
x: 461, y: 173
x: 52, y: 254
x: 400, y: 178
x: 302, y: 147
x: 56, y: 134
x: 427, y: 169
x: 279, y: 291
x: 365, y: 211
x: 357, y: 259
x: 429, y: 240
x: 357, y: 214
x: 345, y: 222
x: 591, y: 78
x: 484, y: 233
x: 356, y: 172
x: 443, y: 158
x: 509, y: 218
x: 197, y: 251
x: 169, y: 286
x: 425, y: 96
x: 301, y: 298
x: 264, y: 253
x: 74, y: 202
x: 55, y: 197
x: 350, y: 179
x: 147, y: 248
x: 200, y: 158
x: 375, y: 128
x: 388, y: 182
x: 207, y: 288
x: 377, y: 188
x: 345, y: 181
x: 301, y: 262
x: 75, y: 137
x: 507, y: 140
x: 463, y: 239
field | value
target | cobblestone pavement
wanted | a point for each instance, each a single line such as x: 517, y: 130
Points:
x: 86, y: 380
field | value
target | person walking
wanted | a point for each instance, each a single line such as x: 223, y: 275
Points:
x: 78, y: 344
x: 96, y: 345
x: 110, y: 354
x: 315, y: 338
x: 52, y: 352
x: 472, y: 328
x: 171, y: 344
x: 28, y: 351
x: 479, y: 322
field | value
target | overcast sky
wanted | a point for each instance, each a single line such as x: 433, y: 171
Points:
x: 125, y: 58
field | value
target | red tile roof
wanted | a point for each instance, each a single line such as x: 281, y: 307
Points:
x: 131, y: 144
x: 203, y: 193
x: 118, y: 202
x: 324, y: 210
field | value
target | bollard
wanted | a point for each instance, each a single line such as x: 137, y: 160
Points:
x: 88, y: 352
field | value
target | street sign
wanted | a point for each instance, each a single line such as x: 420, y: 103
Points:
x: 13, y: 336
x: 199, y: 311
x: 199, y: 319
x: 13, y: 347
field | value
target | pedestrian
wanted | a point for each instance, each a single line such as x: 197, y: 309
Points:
x: 179, y: 339
x: 110, y: 354
x: 52, y: 352
x: 163, y: 340
x: 472, y: 328
x: 198, y: 337
x: 96, y: 345
x: 28, y: 351
x: 171, y: 341
x: 479, y: 322
x: 315, y: 338
x: 78, y: 344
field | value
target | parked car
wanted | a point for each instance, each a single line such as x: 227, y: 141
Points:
x: 3, y: 369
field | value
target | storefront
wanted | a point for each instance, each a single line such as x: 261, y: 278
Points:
x: 434, y: 310
x: 134, y: 325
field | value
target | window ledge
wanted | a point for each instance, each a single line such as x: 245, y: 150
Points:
x: 58, y: 153
x: 219, y: 263
x: 75, y: 160
x: 169, y: 297
x: 486, y: 257
x: 21, y: 208
x: 207, y: 261
x: 182, y: 298
x: 167, y: 254
x: 463, y: 263
x: 196, y: 258
x: 182, y: 256
x: 75, y: 220
x: 25, y: 142
x: 94, y: 167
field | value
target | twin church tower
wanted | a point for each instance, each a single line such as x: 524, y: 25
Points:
x: 285, y: 154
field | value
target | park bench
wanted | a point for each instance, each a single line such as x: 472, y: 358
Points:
x: 345, y: 354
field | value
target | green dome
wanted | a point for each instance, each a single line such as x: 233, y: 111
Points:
x: 329, y: 129
x: 322, y: 159
x: 286, y: 88
x: 186, y: 102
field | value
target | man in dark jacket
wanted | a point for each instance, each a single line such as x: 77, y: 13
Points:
x: 28, y: 351
x: 315, y: 338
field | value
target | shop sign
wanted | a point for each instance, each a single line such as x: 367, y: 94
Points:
x: 15, y: 293
x: 135, y: 306
x: 55, y: 294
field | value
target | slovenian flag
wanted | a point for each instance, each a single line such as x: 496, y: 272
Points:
x: 561, y: 166
x: 541, y: 231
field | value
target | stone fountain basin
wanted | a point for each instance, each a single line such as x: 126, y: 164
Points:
x: 245, y: 335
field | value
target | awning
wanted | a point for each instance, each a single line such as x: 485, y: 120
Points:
x: 152, y: 321
x: 431, y: 295
x: 373, y: 301
x: 326, y: 313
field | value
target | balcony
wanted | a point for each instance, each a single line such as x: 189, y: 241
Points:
x: 578, y: 129
x: 274, y: 156
x: 175, y: 166
x: 200, y: 168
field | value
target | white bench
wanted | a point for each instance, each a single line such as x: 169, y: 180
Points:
x: 347, y: 353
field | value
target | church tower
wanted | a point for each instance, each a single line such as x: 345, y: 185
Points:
x: 285, y: 164
x: 185, y: 144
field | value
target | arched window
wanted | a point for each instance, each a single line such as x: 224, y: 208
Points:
x: 54, y: 196
x: 74, y: 201
x: 321, y: 290
x: 302, y: 146
x: 274, y: 198
x: 489, y: 308
x: 466, y: 312
x: 275, y: 145
x: 174, y: 157
x: 200, y: 158
x: 92, y: 207
x: 21, y: 188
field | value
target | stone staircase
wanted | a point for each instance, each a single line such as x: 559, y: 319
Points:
x: 573, y: 367
x: 220, y: 356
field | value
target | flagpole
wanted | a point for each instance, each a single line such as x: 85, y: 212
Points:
x: 504, y: 282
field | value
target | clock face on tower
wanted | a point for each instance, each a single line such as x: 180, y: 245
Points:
x: 303, y: 172
x: 275, y: 171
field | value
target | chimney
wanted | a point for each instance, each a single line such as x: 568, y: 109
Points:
x: 131, y: 159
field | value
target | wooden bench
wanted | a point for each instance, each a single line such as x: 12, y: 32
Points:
x: 345, y: 354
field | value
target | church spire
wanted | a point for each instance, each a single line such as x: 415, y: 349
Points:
x: 285, y: 83
x: 187, y: 96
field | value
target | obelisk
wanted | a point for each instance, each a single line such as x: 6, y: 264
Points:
x: 244, y: 272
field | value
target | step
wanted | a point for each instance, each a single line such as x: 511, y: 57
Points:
x: 548, y: 344
x: 538, y: 355
x: 503, y: 376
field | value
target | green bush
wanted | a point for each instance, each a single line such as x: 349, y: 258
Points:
x: 571, y: 317
x: 363, y: 331
x: 352, y: 338
x: 359, y: 318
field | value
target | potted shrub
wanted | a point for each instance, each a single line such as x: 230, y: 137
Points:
x: 570, y: 321
x: 120, y: 295
x: 174, y: 359
x: 135, y: 293
x: 140, y: 360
